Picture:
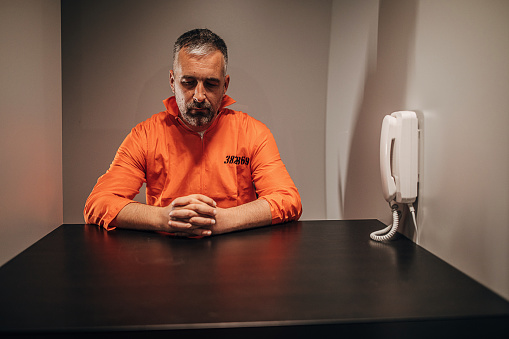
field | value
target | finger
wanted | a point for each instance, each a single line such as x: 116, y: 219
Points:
x: 180, y: 225
x: 205, y: 199
x: 182, y: 213
x: 193, y: 210
x: 200, y: 221
x: 186, y: 225
x: 194, y: 221
x: 193, y: 199
x: 184, y: 220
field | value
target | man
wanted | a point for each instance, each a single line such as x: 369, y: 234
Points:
x: 208, y: 169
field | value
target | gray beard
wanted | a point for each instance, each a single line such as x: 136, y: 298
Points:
x: 200, y: 118
x: 197, y: 120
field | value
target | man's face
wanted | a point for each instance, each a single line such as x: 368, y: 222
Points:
x: 199, y: 84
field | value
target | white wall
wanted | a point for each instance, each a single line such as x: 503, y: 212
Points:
x: 116, y: 58
x: 448, y: 60
x: 352, y: 59
x: 459, y: 79
x: 31, y: 127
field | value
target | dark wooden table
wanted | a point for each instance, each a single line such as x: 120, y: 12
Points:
x: 304, y: 279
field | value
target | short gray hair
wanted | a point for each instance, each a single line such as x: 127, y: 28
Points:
x: 200, y: 42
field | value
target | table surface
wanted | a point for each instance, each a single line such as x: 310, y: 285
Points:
x: 83, y: 278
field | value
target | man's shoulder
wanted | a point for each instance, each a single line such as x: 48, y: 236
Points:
x: 243, y: 119
x: 158, y: 120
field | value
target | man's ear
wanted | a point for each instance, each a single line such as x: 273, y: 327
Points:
x: 226, y: 83
x: 172, y: 81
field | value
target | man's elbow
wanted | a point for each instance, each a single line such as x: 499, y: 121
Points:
x: 285, y: 207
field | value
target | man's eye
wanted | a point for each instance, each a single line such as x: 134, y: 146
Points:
x: 187, y: 83
x: 212, y: 84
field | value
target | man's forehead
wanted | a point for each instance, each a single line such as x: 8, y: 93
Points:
x: 188, y: 63
x: 196, y: 77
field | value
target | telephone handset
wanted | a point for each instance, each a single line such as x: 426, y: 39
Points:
x: 399, y: 156
x: 399, y: 150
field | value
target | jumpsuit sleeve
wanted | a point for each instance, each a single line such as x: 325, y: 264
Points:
x: 272, y: 181
x: 121, y: 183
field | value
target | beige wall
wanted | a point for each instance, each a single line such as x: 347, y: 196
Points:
x: 448, y: 60
x: 31, y: 123
x: 116, y: 57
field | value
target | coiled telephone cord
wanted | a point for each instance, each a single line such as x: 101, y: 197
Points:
x: 389, y: 232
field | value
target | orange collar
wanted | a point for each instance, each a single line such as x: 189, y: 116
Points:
x: 172, y: 108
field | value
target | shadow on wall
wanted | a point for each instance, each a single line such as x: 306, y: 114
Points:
x: 384, y: 92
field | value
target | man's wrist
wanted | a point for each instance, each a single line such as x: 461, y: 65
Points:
x: 142, y: 217
x: 225, y: 220
x: 253, y: 214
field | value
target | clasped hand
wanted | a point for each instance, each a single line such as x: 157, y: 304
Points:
x: 192, y: 215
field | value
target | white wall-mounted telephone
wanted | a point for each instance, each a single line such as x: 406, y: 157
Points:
x: 399, y: 155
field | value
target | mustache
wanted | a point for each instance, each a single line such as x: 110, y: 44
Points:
x: 199, y: 105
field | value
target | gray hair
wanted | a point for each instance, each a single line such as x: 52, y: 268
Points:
x: 200, y: 42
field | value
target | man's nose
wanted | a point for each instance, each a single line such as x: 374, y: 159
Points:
x: 199, y: 93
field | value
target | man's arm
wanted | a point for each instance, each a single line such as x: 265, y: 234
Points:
x: 250, y: 215
x: 272, y: 181
x: 194, y: 215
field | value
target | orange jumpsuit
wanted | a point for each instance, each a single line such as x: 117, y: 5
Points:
x: 235, y: 161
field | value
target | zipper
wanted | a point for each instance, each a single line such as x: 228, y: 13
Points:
x: 202, y: 172
x: 202, y: 141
